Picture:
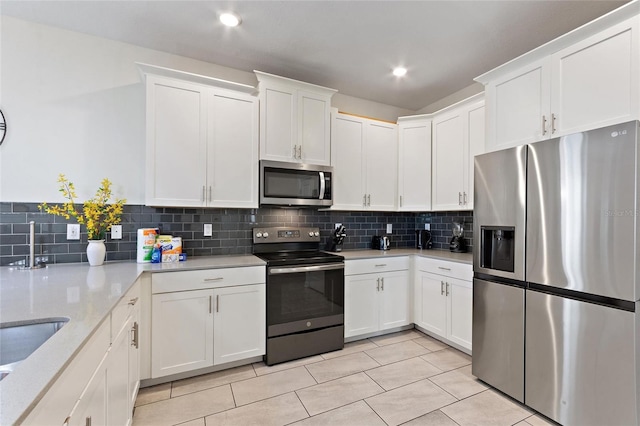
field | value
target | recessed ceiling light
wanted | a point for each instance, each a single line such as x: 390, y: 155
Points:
x: 229, y: 19
x: 399, y: 71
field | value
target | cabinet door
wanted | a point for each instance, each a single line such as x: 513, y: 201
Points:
x: 381, y: 148
x: 91, y: 408
x: 314, y: 128
x: 475, y: 146
x: 395, y: 310
x: 594, y: 83
x: 431, y: 304
x: 459, y: 318
x: 360, y: 304
x: 347, y: 137
x: 518, y: 107
x: 176, y: 142
x: 232, y: 166
x: 182, y: 332
x: 278, y: 116
x: 239, y: 323
x: 414, y: 166
x: 449, y: 169
x: 118, y: 380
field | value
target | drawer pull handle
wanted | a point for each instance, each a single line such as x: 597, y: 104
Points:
x: 133, y: 301
x: 381, y: 265
x: 382, y: 284
x: 217, y: 303
x: 442, y: 288
x: 210, y: 297
x: 378, y: 286
x: 444, y: 269
x: 213, y: 279
x: 447, y: 289
x: 134, y: 341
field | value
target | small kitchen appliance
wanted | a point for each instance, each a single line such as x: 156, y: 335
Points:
x: 337, y: 238
x: 458, y: 244
x: 380, y: 243
x: 423, y: 239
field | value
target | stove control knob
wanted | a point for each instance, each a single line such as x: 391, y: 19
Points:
x: 259, y: 235
x: 311, y: 233
x: 316, y: 234
x: 265, y: 235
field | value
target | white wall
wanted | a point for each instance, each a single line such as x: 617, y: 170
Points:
x: 74, y: 104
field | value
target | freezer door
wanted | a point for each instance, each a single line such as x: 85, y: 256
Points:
x: 582, y: 212
x: 580, y: 367
x: 499, y: 205
x: 498, y: 336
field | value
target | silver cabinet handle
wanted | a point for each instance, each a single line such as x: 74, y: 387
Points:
x: 217, y: 303
x: 213, y: 279
x: 210, y: 304
x: 380, y: 265
x: 378, y: 284
x: 133, y: 301
x: 369, y: 200
x: 210, y: 197
x: 87, y: 421
x: 443, y: 268
x: 364, y: 200
x: 553, y: 123
x: 459, y: 198
x: 447, y: 289
x: 299, y: 152
x: 401, y: 201
x: 203, y: 190
x: 382, y: 283
x: 134, y: 338
x: 465, y: 197
x: 295, y: 151
x: 544, y: 125
x: 442, y: 288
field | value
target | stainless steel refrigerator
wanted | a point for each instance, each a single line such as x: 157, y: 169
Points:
x: 557, y: 282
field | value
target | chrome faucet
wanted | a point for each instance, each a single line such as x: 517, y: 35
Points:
x: 32, y: 250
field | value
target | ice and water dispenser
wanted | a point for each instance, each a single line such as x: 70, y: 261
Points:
x: 497, y: 248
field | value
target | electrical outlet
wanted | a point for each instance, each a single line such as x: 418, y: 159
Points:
x: 389, y: 228
x: 208, y: 229
x: 337, y: 225
x: 427, y: 226
x: 73, y: 231
x: 116, y: 232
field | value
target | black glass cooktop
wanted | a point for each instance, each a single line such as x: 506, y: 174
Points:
x: 299, y: 257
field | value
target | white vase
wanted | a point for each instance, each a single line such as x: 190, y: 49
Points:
x: 96, y: 251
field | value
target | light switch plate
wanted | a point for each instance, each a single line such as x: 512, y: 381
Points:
x: 73, y: 231
x: 389, y: 228
x: 427, y: 226
x: 337, y: 225
x: 208, y: 229
x: 116, y: 232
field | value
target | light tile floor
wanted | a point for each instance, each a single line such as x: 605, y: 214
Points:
x: 402, y: 378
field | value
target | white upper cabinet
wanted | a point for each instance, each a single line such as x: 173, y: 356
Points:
x: 294, y: 120
x: 458, y: 135
x: 364, y: 159
x: 414, y: 163
x: 202, y: 141
x: 587, y: 79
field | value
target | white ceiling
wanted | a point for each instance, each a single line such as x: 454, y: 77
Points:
x: 346, y: 45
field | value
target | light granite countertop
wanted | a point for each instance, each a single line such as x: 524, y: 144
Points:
x: 86, y: 295
x: 83, y: 294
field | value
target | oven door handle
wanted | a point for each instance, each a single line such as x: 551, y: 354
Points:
x: 298, y: 269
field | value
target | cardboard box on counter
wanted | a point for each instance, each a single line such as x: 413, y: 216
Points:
x: 171, y: 247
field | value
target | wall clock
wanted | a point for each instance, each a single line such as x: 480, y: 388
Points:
x: 3, y: 127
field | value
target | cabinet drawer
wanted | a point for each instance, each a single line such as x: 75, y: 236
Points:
x: 124, y: 308
x: 371, y: 266
x: 461, y: 271
x: 166, y: 282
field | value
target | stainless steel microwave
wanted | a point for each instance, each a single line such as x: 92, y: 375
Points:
x: 296, y: 185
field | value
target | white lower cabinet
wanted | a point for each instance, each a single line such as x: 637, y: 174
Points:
x: 376, y: 295
x: 91, y: 408
x: 217, y: 316
x: 443, y: 300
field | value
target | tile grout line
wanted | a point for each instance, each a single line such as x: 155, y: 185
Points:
x: 372, y: 409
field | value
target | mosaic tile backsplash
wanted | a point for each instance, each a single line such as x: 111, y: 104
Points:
x: 231, y: 229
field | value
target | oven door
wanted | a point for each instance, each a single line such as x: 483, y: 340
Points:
x: 304, y: 298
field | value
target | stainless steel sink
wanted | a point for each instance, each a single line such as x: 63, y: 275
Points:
x: 18, y: 340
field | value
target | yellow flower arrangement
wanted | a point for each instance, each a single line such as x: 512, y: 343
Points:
x: 97, y: 215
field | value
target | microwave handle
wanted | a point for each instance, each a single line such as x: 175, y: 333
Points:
x: 322, y: 186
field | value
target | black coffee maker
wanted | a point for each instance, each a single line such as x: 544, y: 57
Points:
x: 458, y: 244
x: 337, y: 238
x: 423, y: 239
